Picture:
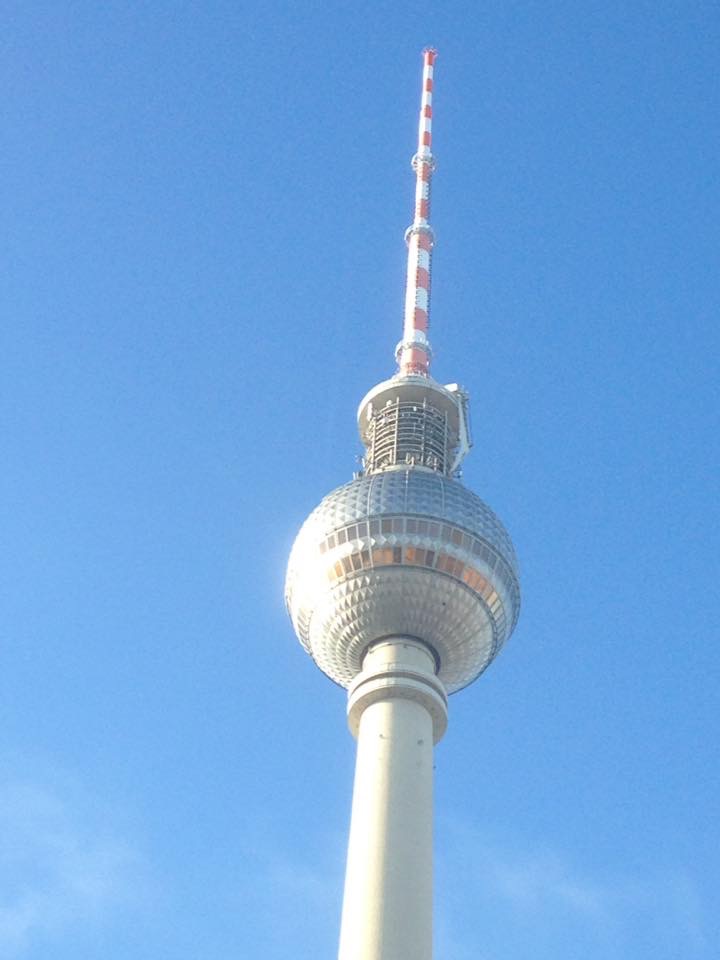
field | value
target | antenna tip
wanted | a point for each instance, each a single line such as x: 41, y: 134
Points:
x: 430, y: 55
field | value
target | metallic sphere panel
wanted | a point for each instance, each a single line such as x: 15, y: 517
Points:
x: 403, y: 552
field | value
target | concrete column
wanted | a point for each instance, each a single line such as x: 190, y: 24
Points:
x: 397, y: 709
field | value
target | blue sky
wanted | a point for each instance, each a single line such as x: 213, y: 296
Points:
x: 203, y: 272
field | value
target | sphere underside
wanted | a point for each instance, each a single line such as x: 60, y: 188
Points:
x: 404, y: 552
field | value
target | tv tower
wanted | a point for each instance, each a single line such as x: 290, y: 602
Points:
x: 402, y: 586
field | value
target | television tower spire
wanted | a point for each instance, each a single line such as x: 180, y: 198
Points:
x: 402, y: 586
x: 413, y: 352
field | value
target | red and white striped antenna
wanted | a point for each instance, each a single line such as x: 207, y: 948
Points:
x: 413, y: 352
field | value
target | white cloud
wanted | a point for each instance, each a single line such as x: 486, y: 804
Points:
x: 301, y: 883
x: 542, y: 897
x: 58, y: 866
x: 543, y: 881
x: 291, y: 897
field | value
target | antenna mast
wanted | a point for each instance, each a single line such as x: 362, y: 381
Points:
x: 413, y: 352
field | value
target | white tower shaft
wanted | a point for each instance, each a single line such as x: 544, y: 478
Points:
x: 397, y: 708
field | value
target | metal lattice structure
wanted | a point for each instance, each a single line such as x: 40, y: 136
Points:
x: 414, y: 421
x: 405, y: 432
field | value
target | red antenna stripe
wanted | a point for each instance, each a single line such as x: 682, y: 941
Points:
x: 414, y: 350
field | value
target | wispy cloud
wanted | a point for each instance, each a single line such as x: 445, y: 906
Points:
x: 58, y: 866
x: 291, y: 896
x: 543, y: 881
x: 542, y: 897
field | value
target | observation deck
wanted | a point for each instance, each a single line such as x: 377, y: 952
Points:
x: 403, y: 551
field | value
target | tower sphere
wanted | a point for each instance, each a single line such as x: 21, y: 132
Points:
x: 405, y: 550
